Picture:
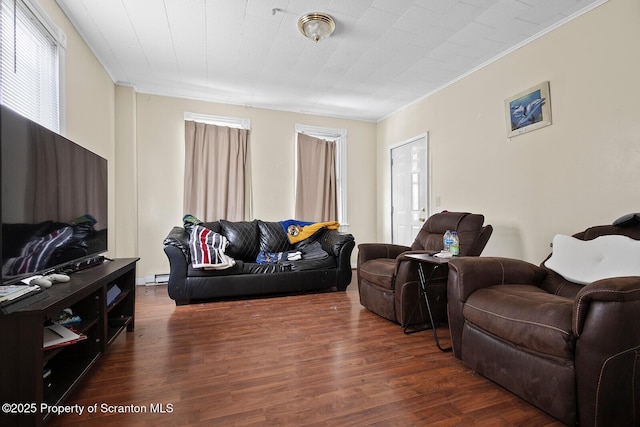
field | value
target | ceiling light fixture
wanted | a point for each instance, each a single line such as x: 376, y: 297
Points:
x: 316, y: 26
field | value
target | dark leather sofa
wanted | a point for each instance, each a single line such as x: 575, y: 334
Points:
x: 247, y: 277
x: 573, y: 350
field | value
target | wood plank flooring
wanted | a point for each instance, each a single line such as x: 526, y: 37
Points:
x: 315, y: 359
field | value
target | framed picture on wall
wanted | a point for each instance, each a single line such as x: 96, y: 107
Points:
x: 529, y: 110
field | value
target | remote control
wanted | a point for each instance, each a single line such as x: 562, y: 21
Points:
x: 47, y: 281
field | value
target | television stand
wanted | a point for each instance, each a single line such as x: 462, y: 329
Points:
x: 34, y: 379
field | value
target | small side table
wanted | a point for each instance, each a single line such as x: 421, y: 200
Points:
x: 433, y: 263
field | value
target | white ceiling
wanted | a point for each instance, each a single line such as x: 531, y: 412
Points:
x: 384, y: 54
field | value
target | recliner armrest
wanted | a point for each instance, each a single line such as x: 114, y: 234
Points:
x: 613, y: 290
x: 367, y: 251
x: 605, y: 314
x: 468, y: 274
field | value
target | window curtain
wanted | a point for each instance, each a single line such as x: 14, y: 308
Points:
x: 216, y: 177
x: 316, y: 180
x: 64, y: 191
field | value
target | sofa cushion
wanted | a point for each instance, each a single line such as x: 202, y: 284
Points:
x: 379, y: 271
x: 585, y: 261
x: 203, y: 272
x: 525, y: 316
x: 313, y: 264
x: 243, y: 237
x: 272, y: 237
x: 255, y: 268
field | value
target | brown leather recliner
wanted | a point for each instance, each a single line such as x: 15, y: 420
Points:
x: 572, y: 350
x: 388, y: 281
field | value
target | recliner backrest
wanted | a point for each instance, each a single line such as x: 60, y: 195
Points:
x: 468, y: 226
x: 481, y: 242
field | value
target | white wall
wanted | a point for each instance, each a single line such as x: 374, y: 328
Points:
x: 582, y: 170
x: 160, y: 153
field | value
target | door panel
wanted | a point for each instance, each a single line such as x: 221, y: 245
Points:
x: 409, y: 190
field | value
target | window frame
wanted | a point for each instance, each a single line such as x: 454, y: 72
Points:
x: 230, y: 122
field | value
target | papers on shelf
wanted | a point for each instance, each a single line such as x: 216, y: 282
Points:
x: 57, y: 335
x: 11, y: 292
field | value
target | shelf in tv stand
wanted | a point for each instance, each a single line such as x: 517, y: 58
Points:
x: 85, y: 294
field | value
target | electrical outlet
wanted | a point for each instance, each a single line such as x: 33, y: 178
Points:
x: 437, y: 200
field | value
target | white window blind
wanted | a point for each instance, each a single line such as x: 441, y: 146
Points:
x: 30, y: 63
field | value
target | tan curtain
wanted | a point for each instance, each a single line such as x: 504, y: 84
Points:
x: 216, y: 179
x: 316, y: 181
x: 66, y: 179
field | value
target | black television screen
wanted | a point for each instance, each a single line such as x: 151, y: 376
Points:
x: 54, y: 199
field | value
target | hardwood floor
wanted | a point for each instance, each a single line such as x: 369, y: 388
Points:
x: 316, y: 359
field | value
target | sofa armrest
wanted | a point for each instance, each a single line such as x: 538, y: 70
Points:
x: 176, y: 247
x: 178, y: 267
x: 339, y: 245
x: 332, y: 241
x: 178, y: 238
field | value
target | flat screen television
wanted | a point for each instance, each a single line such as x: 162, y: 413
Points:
x: 54, y: 200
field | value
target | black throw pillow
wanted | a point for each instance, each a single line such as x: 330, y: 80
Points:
x: 273, y: 238
x: 243, y: 237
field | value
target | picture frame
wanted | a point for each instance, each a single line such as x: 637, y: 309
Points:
x: 528, y: 110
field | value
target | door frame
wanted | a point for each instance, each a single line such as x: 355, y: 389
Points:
x: 427, y: 165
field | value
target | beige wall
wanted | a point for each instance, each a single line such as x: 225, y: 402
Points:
x: 126, y: 179
x: 160, y: 152
x: 582, y: 170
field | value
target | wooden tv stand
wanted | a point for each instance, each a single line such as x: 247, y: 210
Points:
x: 25, y: 395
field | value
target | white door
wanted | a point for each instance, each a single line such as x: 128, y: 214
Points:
x: 409, y: 190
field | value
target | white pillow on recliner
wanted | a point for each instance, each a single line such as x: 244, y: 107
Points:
x: 585, y: 261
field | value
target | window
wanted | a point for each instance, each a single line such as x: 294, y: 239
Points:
x: 217, y: 181
x: 340, y: 138
x: 32, y: 48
